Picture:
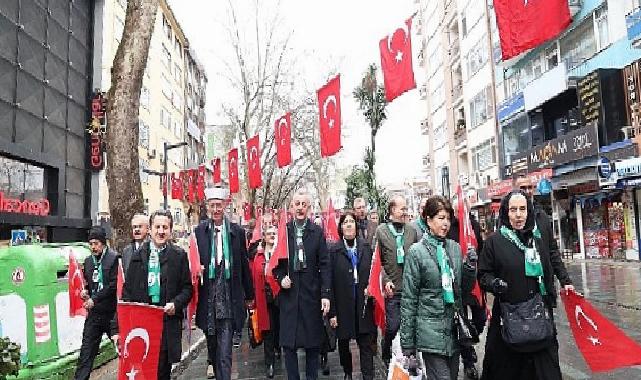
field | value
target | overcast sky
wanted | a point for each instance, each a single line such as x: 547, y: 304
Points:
x: 345, y: 33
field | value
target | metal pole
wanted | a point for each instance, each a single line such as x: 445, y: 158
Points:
x: 164, y: 172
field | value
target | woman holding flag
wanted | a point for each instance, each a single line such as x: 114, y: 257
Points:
x: 434, y: 278
x: 351, y: 314
x: 266, y: 301
x: 518, y: 267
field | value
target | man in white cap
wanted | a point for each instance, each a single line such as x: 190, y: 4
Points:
x: 226, y: 286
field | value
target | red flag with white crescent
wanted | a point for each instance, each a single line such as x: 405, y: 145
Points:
x: 232, y: 167
x: 140, y: 337
x: 196, y: 272
x: 329, y: 112
x: 375, y: 288
x: 603, y: 345
x: 396, y: 61
x: 331, y: 230
x: 283, y: 134
x: 253, y: 163
x: 216, y: 172
x: 281, y: 252
x: 76, y: 285
x: 200, y: 182
x: 120, y: 280
x: 466, y: 236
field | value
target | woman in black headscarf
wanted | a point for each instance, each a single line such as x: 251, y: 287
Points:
x: 518, y: 266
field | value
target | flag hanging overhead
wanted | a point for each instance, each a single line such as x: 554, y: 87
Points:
x: 396, y: 61
x: 329, y: 112
x: 232, y: 167
x: 603, y: 345
x: 215, y: 163
x: 525, y: 24
x: 253, y: 163
x: 283, y: 134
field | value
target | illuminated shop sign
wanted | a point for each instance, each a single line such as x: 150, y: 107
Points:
x: 37, y: 207
x: 96, y: 132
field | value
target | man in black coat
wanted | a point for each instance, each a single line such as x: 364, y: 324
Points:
x: 139, y: 232
x: 226, y: 287
x: 168, y: 286
x: 100, y: 273
x: 305, y: 281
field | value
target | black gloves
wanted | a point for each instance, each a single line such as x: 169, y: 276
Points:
x: 499, y: 286
x: 472, y: 256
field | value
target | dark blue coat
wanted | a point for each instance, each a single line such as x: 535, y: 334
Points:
x: 301, y: 321
x: 241, y: 287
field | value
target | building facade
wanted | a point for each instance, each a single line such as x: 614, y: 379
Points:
x: 171, y: 110
x: 45, y: 92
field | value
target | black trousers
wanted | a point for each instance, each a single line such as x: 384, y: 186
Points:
x: 271, y: 340
x: 392, y: 324
x: 312, y: 358
x: 164, y: 366
x: 95, y: 325
x: 479, y: 317
x: 366, y: 344
x: 219, y: 347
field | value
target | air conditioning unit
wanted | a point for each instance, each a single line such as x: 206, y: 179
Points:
x: 151, y: 153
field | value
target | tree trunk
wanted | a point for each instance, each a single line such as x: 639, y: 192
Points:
x: 123, y: 179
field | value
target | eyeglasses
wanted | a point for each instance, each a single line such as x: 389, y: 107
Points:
x: 299, y: 203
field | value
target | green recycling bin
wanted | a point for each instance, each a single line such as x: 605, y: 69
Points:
x: 34, y: 309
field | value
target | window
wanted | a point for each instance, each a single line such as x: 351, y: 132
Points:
x: 21, y: 180
x: 166, y: 56
x: 551, y: 57
x: 484, y: 155
x: 471, y: 15
x: 477, y: 57
x: 178, y: 102
x: 481, y: 108
x: 144, y: 97
x: 601, y: 25
x: 440, y: 136
x: 579, y: 44
x: 144, y: 165
x: 177, y: 129
x: 167, y: 27
x: 165, y: 118
x: 437, y: 98
x: 143, y: 134
x: 515, y: 138
x: 166, y: 88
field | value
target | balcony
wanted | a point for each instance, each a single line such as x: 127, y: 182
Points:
x: 457, y: 92
x: 460, y: 135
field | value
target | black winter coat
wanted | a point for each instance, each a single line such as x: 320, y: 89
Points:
x: 301, y: 321
x: 175, y: 286
x: 104, y: 301
x: 344, y: 306
x: 241, y: 288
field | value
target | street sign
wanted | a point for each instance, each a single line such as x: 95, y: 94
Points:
x: 18, y: 237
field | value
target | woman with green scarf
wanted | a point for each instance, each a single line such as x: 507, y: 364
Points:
x: 517, y: 265
x: 435, y: 277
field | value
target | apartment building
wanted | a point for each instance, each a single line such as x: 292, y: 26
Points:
x: 172, y: 104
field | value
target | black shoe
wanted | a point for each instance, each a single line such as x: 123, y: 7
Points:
x: 277, y: 354
x: 270, y: 371
x: 471, y: 373
x: 347, y: 376
x: 324, y: 364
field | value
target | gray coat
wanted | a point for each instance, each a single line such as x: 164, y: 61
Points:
x: 387, y: 244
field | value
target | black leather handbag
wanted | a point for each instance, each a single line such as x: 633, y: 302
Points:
x: 466, y: 334
x: 526, y: 324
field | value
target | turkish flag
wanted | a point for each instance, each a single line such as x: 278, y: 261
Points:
x: 192, y: 174
x: 215, y: 163
x: 194, y: 268
x: 76, y: 286
x: 120, y: 280
x: 257, y: 234
x: 184, y: 181
x: 247, y: 211
x: 525, y: 24
x: 375, y: 288
x: 253, y: 163
x: 232, y: 167
x: 200, y: 182
x: 396, y: 61
x: 331, y: 230
x: 176, y: 191
x: 329, y: 112
x: 603, y: 345
x: 281, y: 252
x: 466, y: 236
x: 140, y: 333
x: 283, y: 134
x: 163, y: 184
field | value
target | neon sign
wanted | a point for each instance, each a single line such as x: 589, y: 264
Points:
x: 39, y: 207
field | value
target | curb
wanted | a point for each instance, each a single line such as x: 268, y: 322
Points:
x: 188, y: 356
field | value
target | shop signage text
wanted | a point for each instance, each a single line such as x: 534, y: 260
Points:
x: 628, y: 168
x: 511, y: 106
x: 96, y: 131
x: 39, y: 207
x: 499, y: 189
x: 589, y: 98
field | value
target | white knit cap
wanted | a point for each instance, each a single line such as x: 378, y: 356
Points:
x: 216, y: 193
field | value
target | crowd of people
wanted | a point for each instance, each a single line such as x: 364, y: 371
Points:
x: 322, y: 294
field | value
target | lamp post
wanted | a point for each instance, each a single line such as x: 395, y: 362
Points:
x: 166, y: 147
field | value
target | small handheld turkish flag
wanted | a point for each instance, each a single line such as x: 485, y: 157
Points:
x: 396, y: 61
x: 76, y: 285
x: 216, y: 174
x: 331, y: 230
x: 329, y: 112
x: 282, y: 132
x: 232, y: 167
x: 525, y: 24
x: 253, y: 163
x: 281, y: 252
x: 141, y: 334
x: 603, y: 345
x: 375, y: 288
x: 196, y: 272
x: 466, y: 236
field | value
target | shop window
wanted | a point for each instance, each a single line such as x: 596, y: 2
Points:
x: 21, y: 180
x: 480, y: 108
x: 484, y: 155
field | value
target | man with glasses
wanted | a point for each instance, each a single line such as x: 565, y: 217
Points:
x: 305, y: 282
x: 226, y: 287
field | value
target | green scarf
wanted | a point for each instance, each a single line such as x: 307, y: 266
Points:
x: 214, y: 251
x: 533, y: 266
x: 97, y: 270
x: 300, y: 259
x: 153, y: 276
x: 400, y: 243
x: 421, y: 224
x: 447, y: 274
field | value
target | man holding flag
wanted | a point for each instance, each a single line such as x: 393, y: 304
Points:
x: 226, y: 287
x: 99, y: 295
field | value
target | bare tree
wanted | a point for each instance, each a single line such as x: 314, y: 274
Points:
x: 123, y: 181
